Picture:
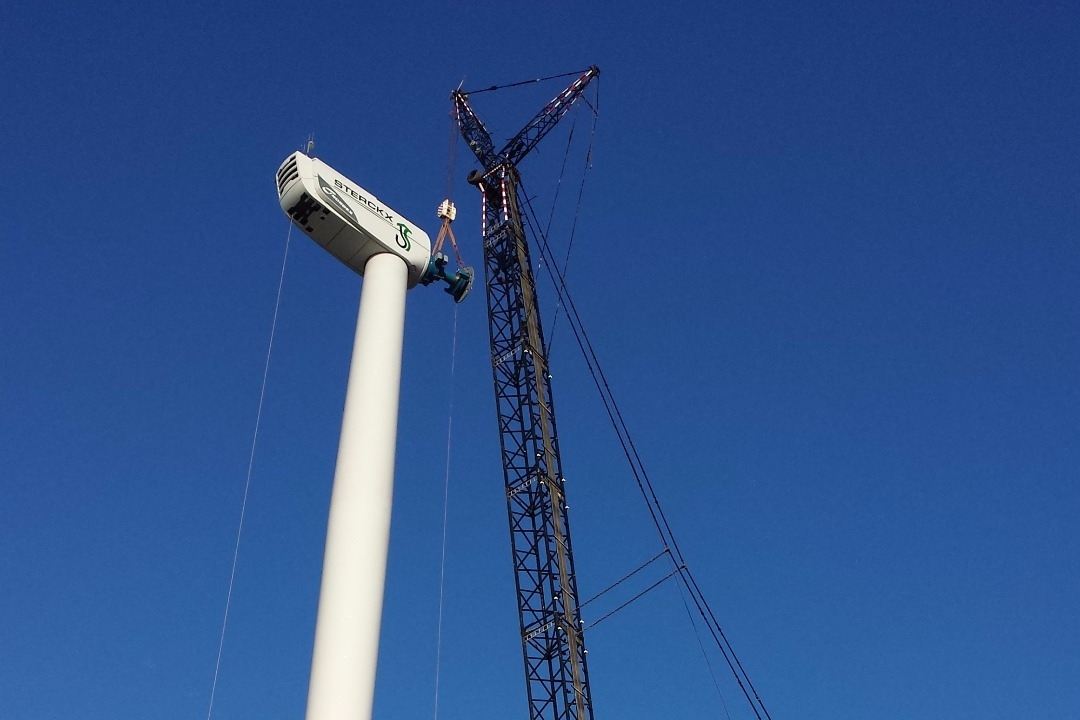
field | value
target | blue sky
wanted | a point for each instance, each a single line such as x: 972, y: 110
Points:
x: 827, y: 255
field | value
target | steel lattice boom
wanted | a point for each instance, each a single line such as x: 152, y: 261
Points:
x: 553, y: 646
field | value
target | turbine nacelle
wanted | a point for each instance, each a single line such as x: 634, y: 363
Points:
x: 349, y: 222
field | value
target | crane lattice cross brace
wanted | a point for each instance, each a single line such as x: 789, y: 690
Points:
x: 552, y: 641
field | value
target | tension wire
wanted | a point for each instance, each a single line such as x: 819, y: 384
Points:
x: 639, y: 473
x: 247, y: 481
x: 577, y: 208
x: 524, y: 82
x: 446, y: 512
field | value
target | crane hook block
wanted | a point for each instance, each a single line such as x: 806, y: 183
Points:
x: 447, y: 211
x: 458, y: 283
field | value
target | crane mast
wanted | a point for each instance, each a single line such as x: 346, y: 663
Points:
x: 553, y: 647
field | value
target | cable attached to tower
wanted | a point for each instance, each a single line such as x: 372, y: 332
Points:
x: 641, y: 476
x: 250, y: 467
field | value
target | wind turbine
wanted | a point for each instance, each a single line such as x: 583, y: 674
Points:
x: 393, y: 255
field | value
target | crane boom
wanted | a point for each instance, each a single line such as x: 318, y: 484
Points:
x: 553, y: 645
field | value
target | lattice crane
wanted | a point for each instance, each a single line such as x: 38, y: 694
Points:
x: 553, y: 646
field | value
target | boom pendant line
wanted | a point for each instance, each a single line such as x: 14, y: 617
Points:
x: 553, y: 645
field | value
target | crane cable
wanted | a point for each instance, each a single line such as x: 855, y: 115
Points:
x: 451, y: 157
x: 641, y: 594
x: 641, y: 477
x: 562, y: 172
x: 637, y: 468
x: 451, y: 153
x: 704, y: 654
x: 523, y: 82
x: 627, y: 576
x: 446, y: 513
x: 577, y: 208
x: 447, y: 212
x: 247, y: 481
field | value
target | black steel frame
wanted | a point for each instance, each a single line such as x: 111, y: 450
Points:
x: 553, y: 645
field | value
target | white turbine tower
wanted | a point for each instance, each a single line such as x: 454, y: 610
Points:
x: 392, y: 255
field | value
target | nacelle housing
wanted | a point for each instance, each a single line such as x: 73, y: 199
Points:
x: 345, y: 219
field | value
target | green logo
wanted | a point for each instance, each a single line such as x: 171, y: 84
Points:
x: 403, y: 238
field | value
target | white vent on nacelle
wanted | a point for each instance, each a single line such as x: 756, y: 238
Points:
x: 286, y: 174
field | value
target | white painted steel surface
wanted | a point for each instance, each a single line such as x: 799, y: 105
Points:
x: 348, y: 221
x: 358, y: 534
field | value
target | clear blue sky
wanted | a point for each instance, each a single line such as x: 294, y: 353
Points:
x: 828, y: 255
